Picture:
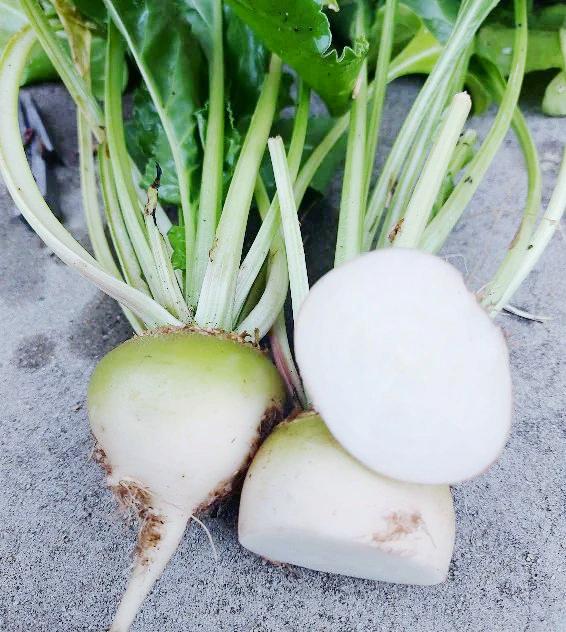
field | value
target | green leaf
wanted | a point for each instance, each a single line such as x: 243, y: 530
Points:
x: 418, y: 57
x: 317, y: 129
x: 247, y: 59
x: 199, y: 15
x: 176, y: 236
x: 495, y: 43
x: 439, y: 16
x: 94, y: 10
x: 299, y: 32
x: 407, y: 25
x: 147, y: 144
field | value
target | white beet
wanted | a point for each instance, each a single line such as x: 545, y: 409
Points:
x: 408, y: 371
x: 307, y: 502
x: 176, y: 416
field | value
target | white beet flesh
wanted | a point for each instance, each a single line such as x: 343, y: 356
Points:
x: 307, y: 502
x: 406, y: 368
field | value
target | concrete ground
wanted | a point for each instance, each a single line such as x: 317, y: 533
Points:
x: 65, y: 551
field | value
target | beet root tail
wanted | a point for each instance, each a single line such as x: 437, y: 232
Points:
x: 158, y: 540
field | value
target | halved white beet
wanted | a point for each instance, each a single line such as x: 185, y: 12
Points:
x: 307, y: 502
x: 176, y: 415
x: 407, y: 370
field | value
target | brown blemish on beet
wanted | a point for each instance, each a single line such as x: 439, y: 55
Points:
x: 246, y: 339
x: 230, y: 486
x: 134, y: 498
x: 99, y: 456
x: 399, y: 524
x: 394, y: 232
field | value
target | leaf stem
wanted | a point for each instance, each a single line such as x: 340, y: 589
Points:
x: 215, y: 308
x: 211, y: 183
x: 422, y: 201
x: 498, y: 286
x: 120, y: 239
x: 400, y: 191
x: 530, y: 255
x: 291, y: 227
x: 380, y: 88
x: 120, y: 161
x: 352, y: 202
x: 172, y: 296
x: 265, y: 239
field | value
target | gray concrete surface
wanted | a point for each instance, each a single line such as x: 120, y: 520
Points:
x: 65, y: 551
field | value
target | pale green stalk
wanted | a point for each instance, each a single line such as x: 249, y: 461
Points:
x: 441, y: 226
x: 270, y: 220
x: 278, y: 338
x: 532, y: 253
x: 260, y: 319
x: 300, y: 125
x: 380, y: 88
x: 215, y: 308
x: 422, y: 201
x: 352, y: 202
x: 173, y: 299
x: 80, y: 40
x: 508, y: 268
x: 298, y: 278
x: 464, y: 151
x: 120, y: 162
x: 163, y: 222
x: 400, y: 194
x: 395, y: 206
x: 463, y: 154
x: 211, y: 182
x: 120, y: 239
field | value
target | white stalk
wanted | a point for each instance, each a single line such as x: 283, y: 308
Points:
x: 121, y: 240
x: 259, y: 321
x: 171, y: 292
x: 291, y: 227
x: 95, y: 226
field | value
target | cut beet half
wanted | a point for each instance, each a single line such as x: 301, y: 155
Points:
x: 408, y: 371
x: 307, y: 502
